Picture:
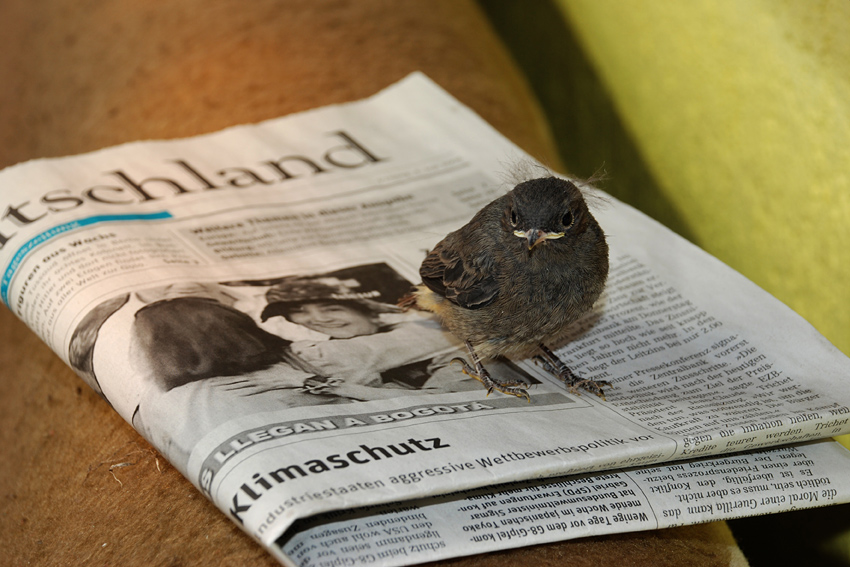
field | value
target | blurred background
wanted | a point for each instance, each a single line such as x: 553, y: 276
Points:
x: 729, y: 122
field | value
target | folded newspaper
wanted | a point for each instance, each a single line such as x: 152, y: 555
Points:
x: 233, y: 296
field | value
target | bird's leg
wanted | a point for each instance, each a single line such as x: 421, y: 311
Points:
x: 477, y: 371
x: 556, y: 366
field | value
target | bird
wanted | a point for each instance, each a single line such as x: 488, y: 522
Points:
x: 511, y: 281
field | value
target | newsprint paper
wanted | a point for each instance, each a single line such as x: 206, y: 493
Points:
x: 233, y: 296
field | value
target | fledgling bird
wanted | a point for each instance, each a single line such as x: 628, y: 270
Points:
x: 512, y: 280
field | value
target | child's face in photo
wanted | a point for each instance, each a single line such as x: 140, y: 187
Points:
x: 335, y: 320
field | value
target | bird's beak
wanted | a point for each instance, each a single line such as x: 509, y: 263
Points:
x: 535, y: 236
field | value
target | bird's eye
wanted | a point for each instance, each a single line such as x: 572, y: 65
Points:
x: 513, y: 218
x: 568, y: 219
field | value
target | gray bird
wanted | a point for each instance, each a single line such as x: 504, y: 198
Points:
x: 516, y: 276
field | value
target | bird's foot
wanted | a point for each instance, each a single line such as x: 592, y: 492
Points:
x: 554, y: 365
x: 513, y: 388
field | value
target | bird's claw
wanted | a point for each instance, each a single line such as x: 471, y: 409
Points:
x: 512, y: 388
x: 592, y: 386
x: 554, y: 365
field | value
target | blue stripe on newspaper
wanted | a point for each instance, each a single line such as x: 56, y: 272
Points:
x: 60, y: 229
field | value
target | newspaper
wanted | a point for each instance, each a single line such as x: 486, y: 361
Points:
x: 233, y: 296
x: 539, y: 511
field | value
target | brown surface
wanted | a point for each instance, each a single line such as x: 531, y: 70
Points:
x: 78, y: 485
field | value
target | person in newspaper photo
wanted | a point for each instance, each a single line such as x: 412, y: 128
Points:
x: 204, y: 363
x: 81, y: 347
x: 370, y: 349
x: 87, y: 332
x: 199, y: 359
x: 196, y: 362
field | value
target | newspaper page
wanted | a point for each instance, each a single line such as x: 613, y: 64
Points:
x: 233, y: 296
x: 539, y: 511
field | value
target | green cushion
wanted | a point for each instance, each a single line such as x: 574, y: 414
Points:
x: 741, y: 113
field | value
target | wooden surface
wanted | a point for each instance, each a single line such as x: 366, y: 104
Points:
x: 78, y: 485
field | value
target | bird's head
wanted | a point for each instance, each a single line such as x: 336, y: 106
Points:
x: 545, y: 210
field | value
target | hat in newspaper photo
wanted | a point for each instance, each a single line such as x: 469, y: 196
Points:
x: 290, y: 294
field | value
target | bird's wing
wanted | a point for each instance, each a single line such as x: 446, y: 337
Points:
x: 467, y: 279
